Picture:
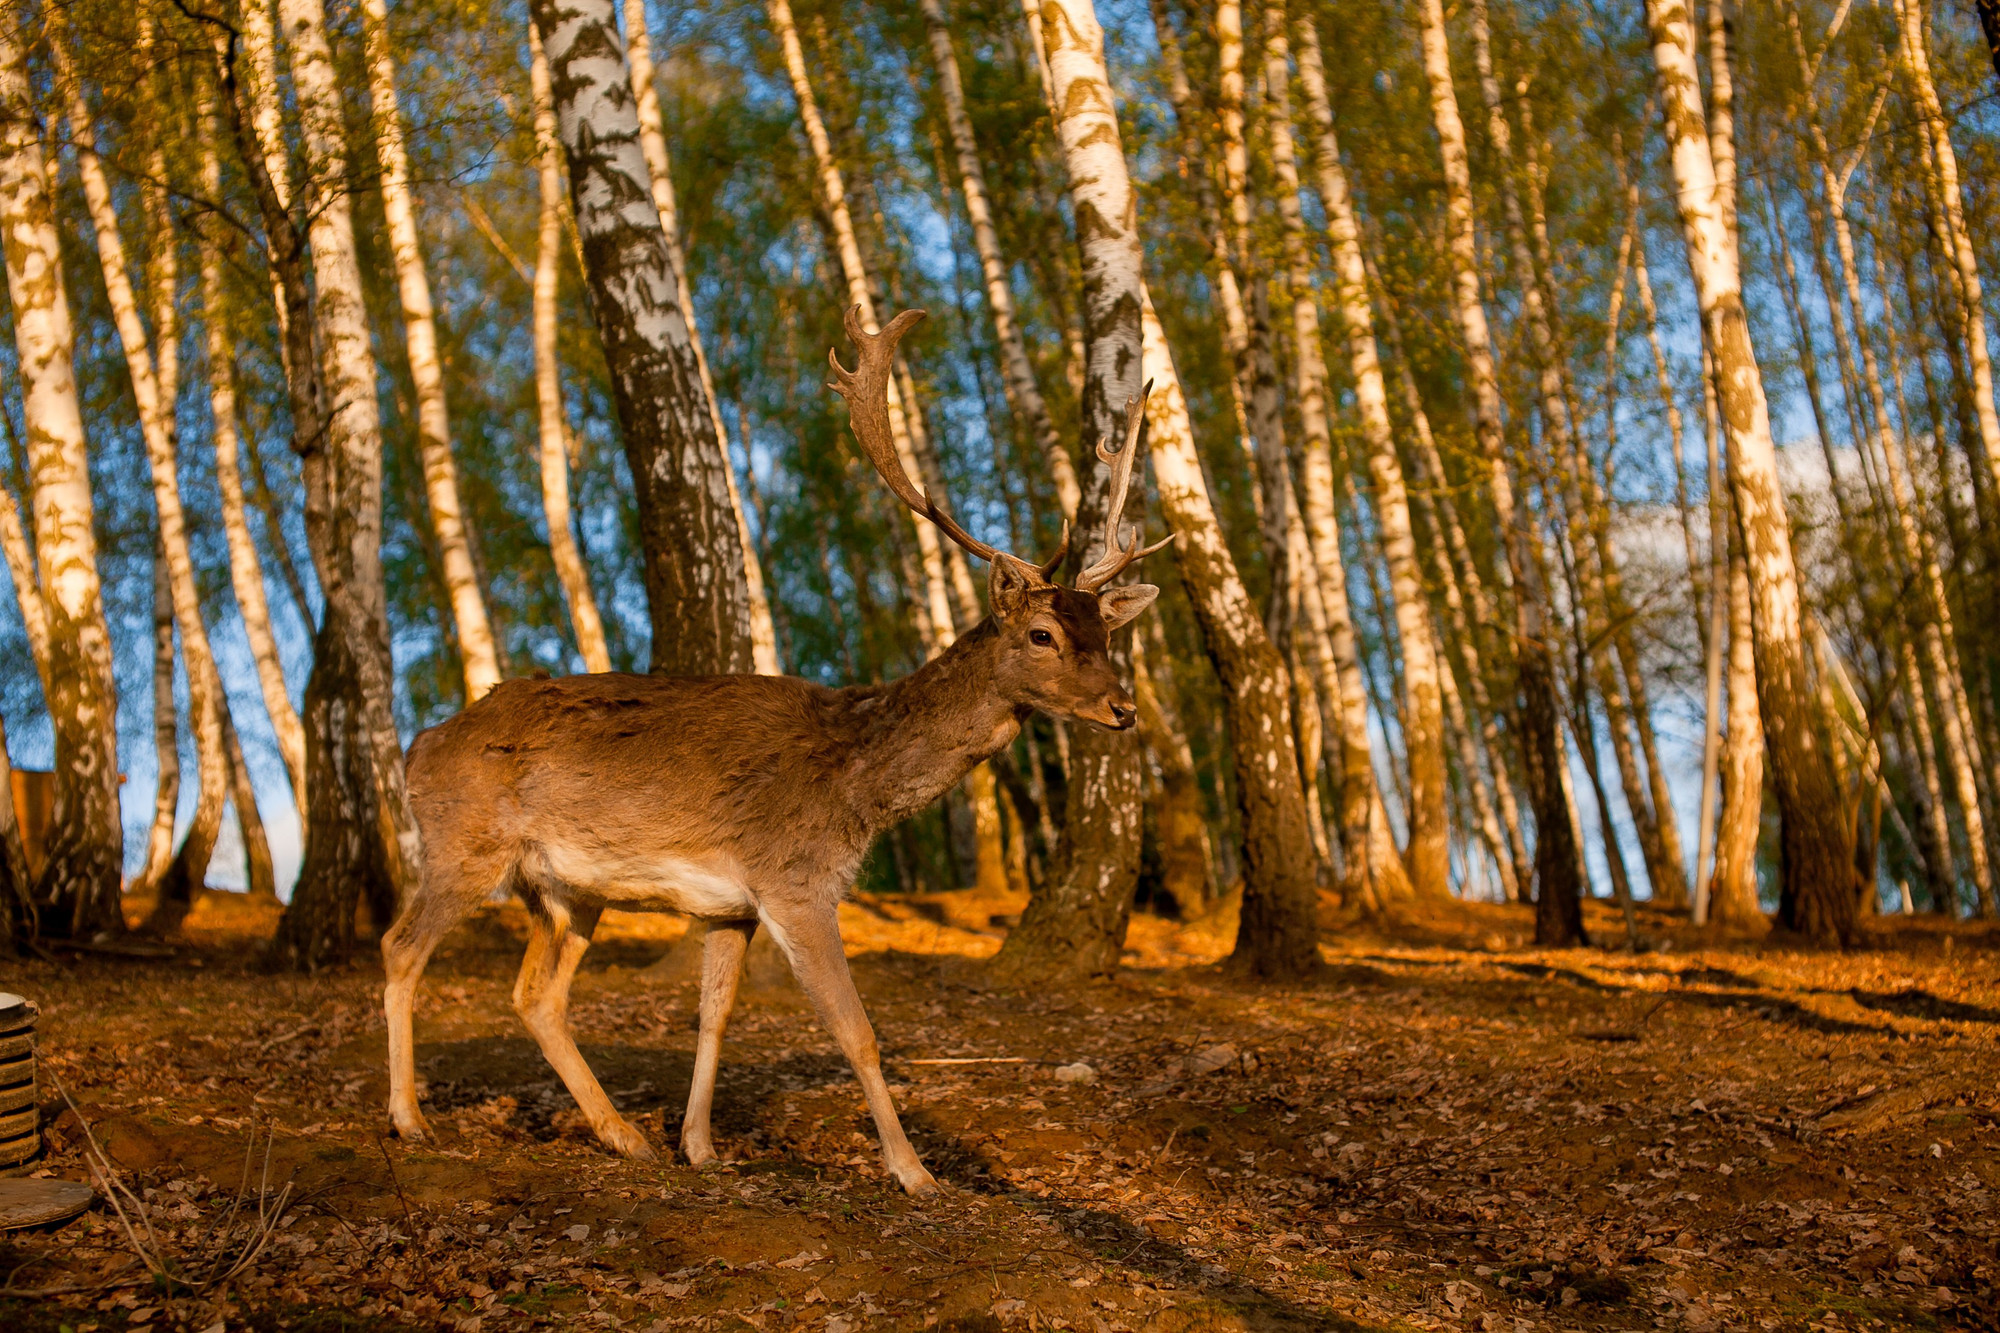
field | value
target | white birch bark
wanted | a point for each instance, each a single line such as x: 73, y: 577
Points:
x: 653, y: 140
x: 478, y: 656
x: 352, y: 574
x: 1819, y: 876
x: 1024, y: 396
x: 20, y: 559
x: 847, y: 247
x: 584, y: 619
x: 166, y: 733
x: 1429, y: 852
x: 1942, y: 178
x: 246, y: 571
x: 152, y: 360
x: 80, y: 879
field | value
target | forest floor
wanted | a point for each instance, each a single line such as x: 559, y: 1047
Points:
x: 1456, y: 1131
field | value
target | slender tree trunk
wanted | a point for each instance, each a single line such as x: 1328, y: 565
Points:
x: 1428, y: 854
x: 21, y: 569
x: 246, y: 572
x: 570, y: 570
x: 477, y: 654
x: 166, y: 732
x: 1816, y: 901
x: 695, y: 585
x: 1187, y: 859
x: 1024, y: 396
x: 1279, y: 932
x: 1558, y: 865
x: 260, y: 876
x: 154, y: 366
x: 18, y: 925
x: 337, y: 424
x: 79, y: 880
x: 653, y: 140
x: 1733, y: 894
x: 905, y: 428
x: 1941, y: 180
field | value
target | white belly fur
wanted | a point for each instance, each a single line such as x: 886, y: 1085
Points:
x: 712, y: 890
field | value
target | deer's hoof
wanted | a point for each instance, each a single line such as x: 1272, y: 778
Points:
x: 917, y: 1182
x: 623, y: 1139
x: 413, y: 1128
x: 699, y: 1152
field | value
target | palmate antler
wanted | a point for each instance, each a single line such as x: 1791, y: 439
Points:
x: 866, y: 389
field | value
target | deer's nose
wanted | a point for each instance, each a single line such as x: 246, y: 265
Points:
x: 1124, y: 715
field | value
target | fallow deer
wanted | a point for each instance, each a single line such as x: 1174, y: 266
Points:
x: 740, y: 800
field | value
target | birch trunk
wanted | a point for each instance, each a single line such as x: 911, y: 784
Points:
x: 246, y: 572
x: 79, y: 880
x: 1279, y: 930
x: 27, y: 588
x: 1428, y: 855
x: 653, y: 140
x: 1817, y: 901
x: 166, y: 733
x: 904, y: 426
x: 1024, y: 395
x: 1558, y: 868
x: 153, y: 363
x: 1732, y: 896
x: 695, y: 585
x: 570, y: 571
x: 1942, y: 182
x: 342, y: 437
x: 477, y: 654
x: 1720, y: 607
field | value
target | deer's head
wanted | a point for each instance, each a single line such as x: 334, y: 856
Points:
x: 1055, y: 641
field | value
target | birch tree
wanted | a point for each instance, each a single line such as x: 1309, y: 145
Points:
x: 584, y: 620
x: 1818, y: 899
x: 1558, y: 870
x: 692, y: 547
x: 1279, y: 931
x: 653, y: 140
x: 479, y: 658
x: 78, y: 885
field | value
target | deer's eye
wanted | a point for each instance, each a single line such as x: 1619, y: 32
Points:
x: 1041, y: 638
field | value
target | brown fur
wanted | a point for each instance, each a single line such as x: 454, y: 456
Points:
x: 742, y: 800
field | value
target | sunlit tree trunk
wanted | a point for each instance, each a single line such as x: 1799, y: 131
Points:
x: 79, y: 881
x: 344, y: 492
x: 1941, y: 180
x: 1558, y: 865
x: 27, y: 589
x: 1732, y: 895
x: 1186, y: 857
x: 1024, y: 396
x: 1816, y: 901
x: 1279, y: 931
x: 166, y: 732
x: 260, y: 875
x: 936, y: 560
x: 653, y: 139
x: 153, y: 362
x: 246, y: 572
x: 478, y: 657
x: 1428, y: 855
x: 695, y: 585
x: 570, y: 572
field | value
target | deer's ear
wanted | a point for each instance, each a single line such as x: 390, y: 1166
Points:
x: 1008, y: 586
x: 1121, y: 605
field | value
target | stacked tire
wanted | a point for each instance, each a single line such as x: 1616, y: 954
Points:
x: 20, y: 1137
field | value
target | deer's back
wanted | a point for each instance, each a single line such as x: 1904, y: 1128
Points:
x: 611, y: 770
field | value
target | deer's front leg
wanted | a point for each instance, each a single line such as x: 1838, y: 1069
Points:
x: 810, y: 937
x: 722, y: 951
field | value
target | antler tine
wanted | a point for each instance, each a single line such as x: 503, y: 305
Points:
x: 866, y: 389
x: 1047, y: 569
x: 1117, y: 553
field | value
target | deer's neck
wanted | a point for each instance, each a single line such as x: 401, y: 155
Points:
x: 923, y: 733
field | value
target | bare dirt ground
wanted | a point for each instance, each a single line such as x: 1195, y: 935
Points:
x: 1460, y: 1134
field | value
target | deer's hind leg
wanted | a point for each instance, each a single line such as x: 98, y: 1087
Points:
x: 810, y: 936
x: 557, y: 938
x: 722, y: 950
x: 440, y: 903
